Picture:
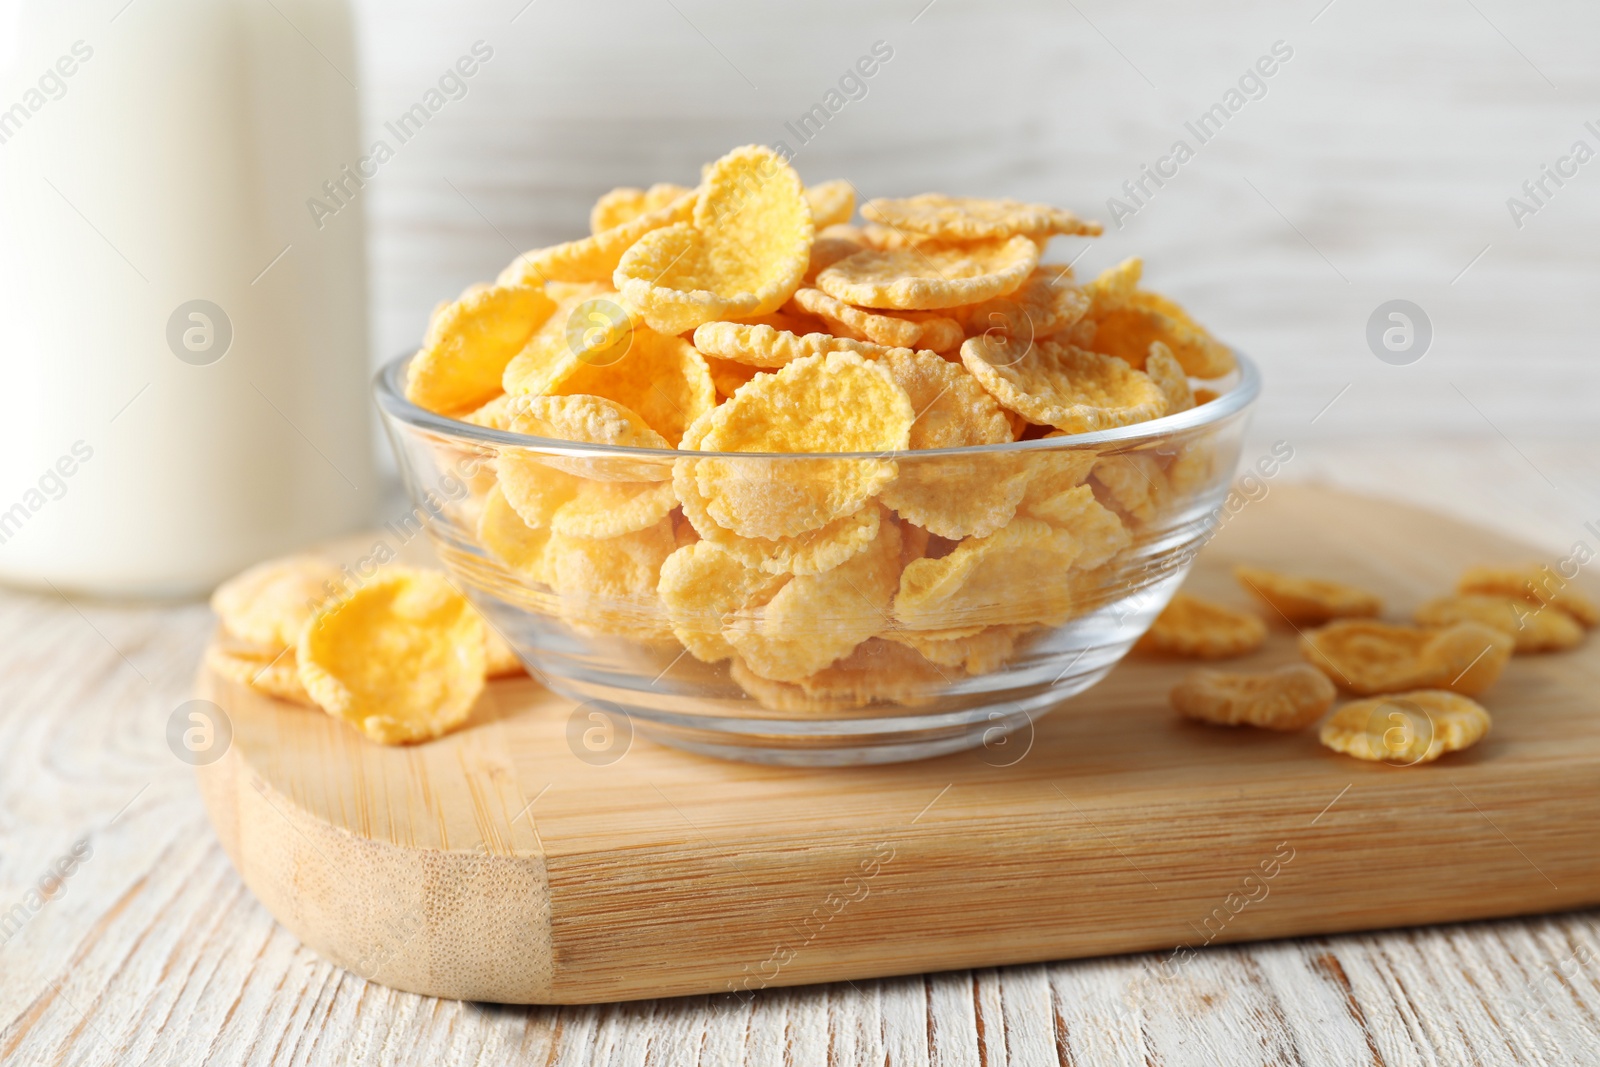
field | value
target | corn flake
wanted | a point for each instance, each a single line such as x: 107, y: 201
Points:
x: 269, y: 604
x: 816, y: 619
x: 832, y: 203
x: 970, y: 218
x: 765, y: 347
x: 1535, y: 582
x: 744, y: 253
x: 511, y: 539
x: 908, y: 329
x: 1308, y: 600
x: 701, y: 586
x: 981, y: 653
x: 469, y: 344
x: 1062, y: 386
x: 833, y: 403
x: 1098, y: 531
x: 1192, y: 627
x: 931, y: 275
x: 594, y: 258
x: 875, y: 672
x: 274, y: 672
x: 660, y: 378
x: 1046, y: 304
x: 989, y: 581
x: 1169, y: 377
x: 1289, y: 698
x: 1406, y: 728
x: 626, y: 204
x: 1534, y: 627
x: 401, y: 659
x: 1370, y: 657
x: 952, y: 496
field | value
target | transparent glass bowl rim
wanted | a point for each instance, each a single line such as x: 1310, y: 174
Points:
x: 389, y: 387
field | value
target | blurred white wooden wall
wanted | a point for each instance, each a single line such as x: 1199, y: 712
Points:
x: 1376, y: 166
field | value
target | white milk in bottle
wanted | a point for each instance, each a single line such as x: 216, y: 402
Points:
x: 183, y: 349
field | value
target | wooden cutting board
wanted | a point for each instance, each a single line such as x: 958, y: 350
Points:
x: 495, y: 865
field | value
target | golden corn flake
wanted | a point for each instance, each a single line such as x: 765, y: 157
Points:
x: 1308, y: 600
x: 401, y: 659
x: 834, y: 403
x: 1134, y: 482
x: 591, y: 419
x: 970, y: 218
x: 1536, y: 582
x: 1201, y: 355
x: 931, y: 275
x: 989, y: 581
x: 811, y: 552
x: 909, y: 329
x: 1534, y: 627
x: 270, y: 603
x: 1195, y: 467
x: 744, y: 253
x: 827, y: 250
x: 1169, y: 377
x: 660, y: 378
x: 1114, y: 287
x: 876, y: 672
x: 1056, y: 470
x: 511, y: 539
x: 701, y: 586
x: 1406, y: 728
x: 614, y: 568
x: 594, y: 258
x: 1289, y: 698
x: 1128, y: 332
x: 469, y: 344
x: 1058, y: 385
x: 1098, y: 531
x: 832, y: 203
x: 626, y: 204
x: 549, y: 357
x: 611, y: 509
x: 274, y: 672
x: 728, y: 375
x: 952, y: 496
x: 1202, y: 629
x: 981, y: 653
x: 494, y: 415
x: 1370, y: 657
x: 763, y: 346
x: 816, y: 619
x: 1047, y: 303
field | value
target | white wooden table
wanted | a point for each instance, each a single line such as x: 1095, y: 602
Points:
x: 152, y: 951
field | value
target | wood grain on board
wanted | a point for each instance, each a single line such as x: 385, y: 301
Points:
x: 495, y: 865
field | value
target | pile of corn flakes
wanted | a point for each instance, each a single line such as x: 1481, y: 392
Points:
x: 748, y: 314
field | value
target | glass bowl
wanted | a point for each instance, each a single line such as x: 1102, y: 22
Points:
x: 833, y: 631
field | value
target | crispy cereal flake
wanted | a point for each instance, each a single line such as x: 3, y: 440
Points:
x: 1406, y: 728
x: 1202, y: 629
x: 931, y: 275
x: 1289, y: 698
x: 1302, y: 601
x: 401, y: 659
x: 1370, y: 657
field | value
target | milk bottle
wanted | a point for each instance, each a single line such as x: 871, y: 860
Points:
x: 183, y: 349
